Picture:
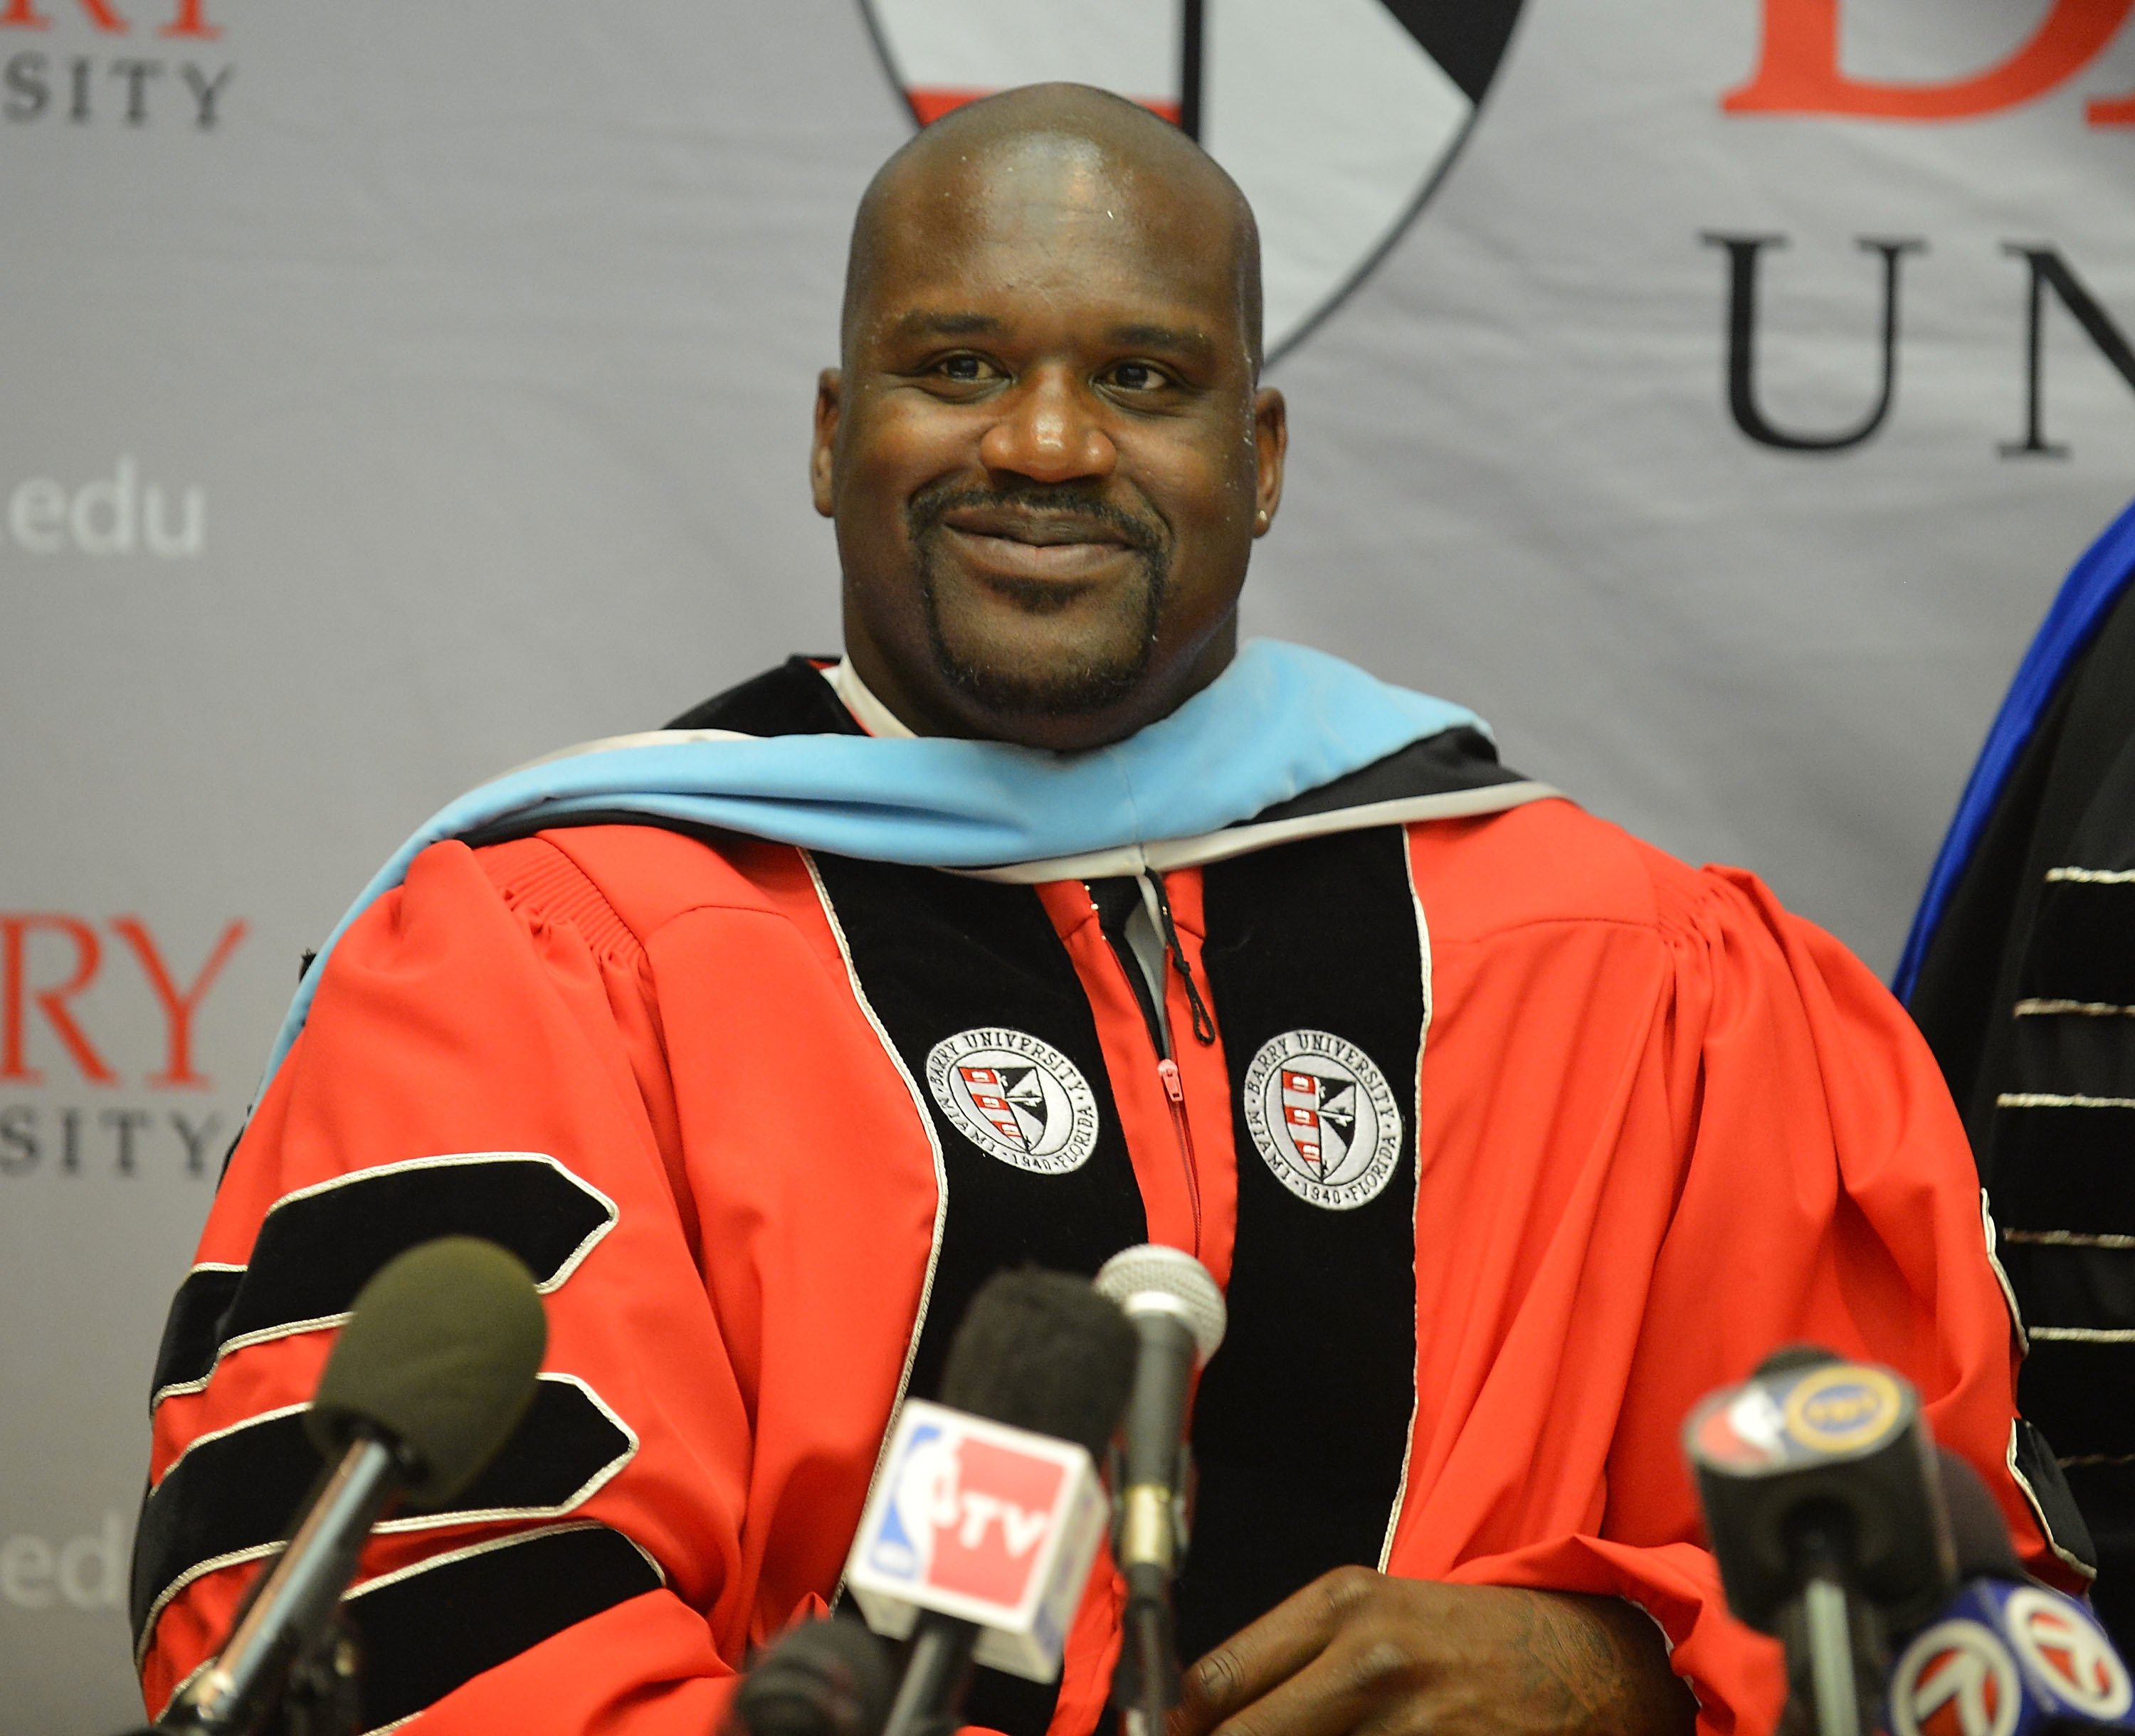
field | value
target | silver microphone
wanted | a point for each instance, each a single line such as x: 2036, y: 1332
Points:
x: 1178, y: 1316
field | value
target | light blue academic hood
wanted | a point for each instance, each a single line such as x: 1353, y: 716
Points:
x: 1279, y: 721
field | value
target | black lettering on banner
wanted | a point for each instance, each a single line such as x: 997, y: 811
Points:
x: 128, y: 1122
x: 28, y: 92
x: 18, y: 1138
x: 207, y: 93
x: 27, y: 88
x: 1319, y: 939
x: 1743, y: 252
x: 231, y: 1497
x: 2050, y: 271
x: 137, y: 75
x: 320, y: 1245
x: 196, y: 1139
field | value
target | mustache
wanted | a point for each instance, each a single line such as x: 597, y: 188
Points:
x: 930, y: 506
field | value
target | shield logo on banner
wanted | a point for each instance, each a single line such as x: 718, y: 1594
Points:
x: 1338, y: 118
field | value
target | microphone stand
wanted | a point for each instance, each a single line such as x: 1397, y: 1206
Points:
x: 325, y: 1694
x: 938, y: 1670
x: 324, y: 1697
x: 1841, y: 1635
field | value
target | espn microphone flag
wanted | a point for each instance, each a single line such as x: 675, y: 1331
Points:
x: 992, y: 1525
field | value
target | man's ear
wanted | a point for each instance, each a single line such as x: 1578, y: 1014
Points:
x: 1271, y: 444
x: 829, y: 385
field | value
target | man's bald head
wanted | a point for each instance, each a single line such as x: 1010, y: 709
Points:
x: 1048, y: 451
x: 1025, y: 143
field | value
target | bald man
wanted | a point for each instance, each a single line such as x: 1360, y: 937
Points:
x: 765, y: 1040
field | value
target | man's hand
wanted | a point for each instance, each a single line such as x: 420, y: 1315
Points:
x: 1356, y: 1651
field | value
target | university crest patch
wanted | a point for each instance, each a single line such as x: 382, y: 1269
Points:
x: 1324, y: 1119
x: 1016, y: 1098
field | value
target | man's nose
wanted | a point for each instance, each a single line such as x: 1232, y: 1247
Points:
x: 1051, y: 430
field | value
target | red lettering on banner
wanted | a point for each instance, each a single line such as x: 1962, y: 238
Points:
x: 2110, y: 111
x: 1799, y: 72
x: 14, y: 932
x: 23, y: 15
x: 191, y: 20
x: 929, y: 105
x: 178, y: 1006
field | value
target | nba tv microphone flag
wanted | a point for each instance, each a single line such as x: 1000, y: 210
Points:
x: 1280, y: 723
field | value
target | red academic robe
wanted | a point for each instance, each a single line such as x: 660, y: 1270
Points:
x: 1661, y: 1126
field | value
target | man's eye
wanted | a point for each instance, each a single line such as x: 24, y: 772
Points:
x: 966, y: 370
x: 1139, y: 376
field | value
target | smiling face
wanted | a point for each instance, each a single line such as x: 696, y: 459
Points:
x: 1046, y: 455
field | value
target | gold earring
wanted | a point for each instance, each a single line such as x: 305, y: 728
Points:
x: 1260, y: 522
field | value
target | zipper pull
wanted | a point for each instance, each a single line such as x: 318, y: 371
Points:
x: 1204, y: 1027
x: 1174, y: 1087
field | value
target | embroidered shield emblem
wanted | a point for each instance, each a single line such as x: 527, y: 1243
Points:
x: 1338, y: 118
x: 1323, y: 1118
x: 1016, y: 1098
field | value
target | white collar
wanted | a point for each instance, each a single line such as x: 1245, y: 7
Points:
x: 868, y: 712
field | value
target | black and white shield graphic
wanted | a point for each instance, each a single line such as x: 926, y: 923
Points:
x: 1016, y: 1098
x: 1338, y: 118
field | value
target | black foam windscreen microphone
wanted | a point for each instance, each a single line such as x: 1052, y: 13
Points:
x: 1177, y: 1315
x: 825, y: 1678
x: 439, y: 1357
x: 1979, y: 1536
x: 1823, y: 1512
x: 1039, y: 1351
x: 432, y: 1373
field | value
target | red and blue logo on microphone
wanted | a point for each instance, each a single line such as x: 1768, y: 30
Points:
x: 2008, y: 1659
x: 967, y: 1514
x: 992, y: 1525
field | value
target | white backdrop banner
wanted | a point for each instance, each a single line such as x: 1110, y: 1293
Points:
x: 1711, y: 392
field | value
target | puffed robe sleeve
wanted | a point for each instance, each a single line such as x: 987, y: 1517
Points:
x: 475, y: 1062
x: 1719, y: 1134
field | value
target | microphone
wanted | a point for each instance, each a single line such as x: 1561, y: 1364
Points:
x: 2004, y: 1656
x: 825, y: 1678
x: 978, y: 1536
x: 1178, y: 1316
x: 1979, y: 1536
x: 430, y: 1375
x: 1823, y: 1512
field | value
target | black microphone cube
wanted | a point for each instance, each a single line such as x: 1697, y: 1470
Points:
x: 1828, y: 1469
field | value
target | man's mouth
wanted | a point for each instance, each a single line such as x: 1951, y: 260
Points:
x: 1063, y: 546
